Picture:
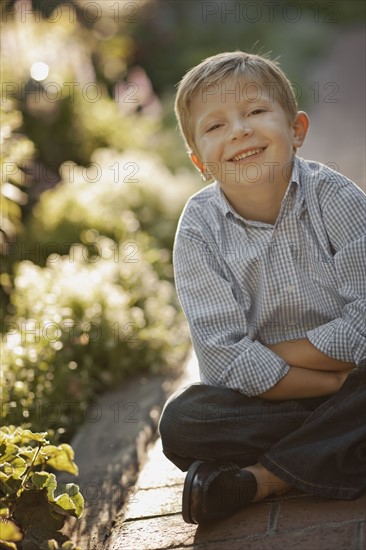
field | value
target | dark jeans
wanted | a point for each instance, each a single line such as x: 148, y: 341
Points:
x: 317, y: 445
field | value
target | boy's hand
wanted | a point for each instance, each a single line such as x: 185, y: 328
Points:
x: 342, y: 377
x: 302, y: 353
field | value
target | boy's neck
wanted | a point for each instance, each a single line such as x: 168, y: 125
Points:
x: 258, y: 205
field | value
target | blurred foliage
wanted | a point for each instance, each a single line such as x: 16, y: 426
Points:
x: 81, y: 325
x: 16, y: 150
x: 107, y: 309
x: 173, y: 36
x: 93, y: 95
x: 118, y: 196
x: 92, y: 313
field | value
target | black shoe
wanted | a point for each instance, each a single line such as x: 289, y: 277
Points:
x: 215, y: 490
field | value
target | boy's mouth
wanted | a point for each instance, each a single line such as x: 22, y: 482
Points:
x: 247, y: 153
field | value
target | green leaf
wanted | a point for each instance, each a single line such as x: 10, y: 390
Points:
x: 9, y: 531
x: 60, y: 458
x: 48, y: 451
x: 19, y: 466
x: 9, y: 473
x: 10, y: 486
x: 8, y: 451
x: 70, y: 501
x: 5, y: 471
x: 44, y: 480
x: 65, y: 499
x: 15, y: 435
x: 27, y: 435
x: 28, y: 452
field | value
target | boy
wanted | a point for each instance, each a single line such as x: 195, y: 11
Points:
x: 270, y: 270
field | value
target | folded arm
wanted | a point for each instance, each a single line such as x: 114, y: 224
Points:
x: 302, y: 353
x: 301, y: 383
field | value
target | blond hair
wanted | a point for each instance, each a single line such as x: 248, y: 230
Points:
x: 255, y: 69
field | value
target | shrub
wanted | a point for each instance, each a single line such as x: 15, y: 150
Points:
x: 81, y: 326
x: 16, y: 150
x: 118, y: 196
x: 33, y: 505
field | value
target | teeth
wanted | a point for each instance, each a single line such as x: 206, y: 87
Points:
x: 245, y: 155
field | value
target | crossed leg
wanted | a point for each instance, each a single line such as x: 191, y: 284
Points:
x: 316, y: 445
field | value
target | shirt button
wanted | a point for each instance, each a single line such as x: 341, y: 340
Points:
x: 290, y: 288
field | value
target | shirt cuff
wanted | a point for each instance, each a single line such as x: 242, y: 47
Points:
x: 263, y: 370
x: 338, y: 340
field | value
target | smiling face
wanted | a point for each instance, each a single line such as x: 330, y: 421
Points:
x: 243, y: 137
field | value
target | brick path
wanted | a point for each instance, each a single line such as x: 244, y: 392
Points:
x: 152, y: 518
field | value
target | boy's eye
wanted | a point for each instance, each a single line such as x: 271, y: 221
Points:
x: 213, y: 127
x: 257, y: 111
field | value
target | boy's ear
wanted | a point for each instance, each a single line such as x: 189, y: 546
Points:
x: 206, y: 177
x: 300, y: 128
x: 197, y: 162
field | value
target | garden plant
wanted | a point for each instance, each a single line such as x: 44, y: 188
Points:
x: 33, y: 505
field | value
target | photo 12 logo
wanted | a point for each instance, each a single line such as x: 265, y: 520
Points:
x: 269, y: 12
x: 87, y: 12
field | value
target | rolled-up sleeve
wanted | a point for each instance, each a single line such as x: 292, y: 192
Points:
x: 218, y: 325
x: 344, y: 218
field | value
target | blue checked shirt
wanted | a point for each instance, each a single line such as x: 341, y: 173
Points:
x: 243, y: 284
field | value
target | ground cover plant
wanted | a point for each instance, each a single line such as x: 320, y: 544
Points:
x: 34, y: 506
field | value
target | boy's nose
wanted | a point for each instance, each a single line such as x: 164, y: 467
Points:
x: 240, y: 128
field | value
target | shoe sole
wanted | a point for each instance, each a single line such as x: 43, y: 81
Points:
x: 187, y: 491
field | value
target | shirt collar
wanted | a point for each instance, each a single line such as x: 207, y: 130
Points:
x: 294, y: 187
